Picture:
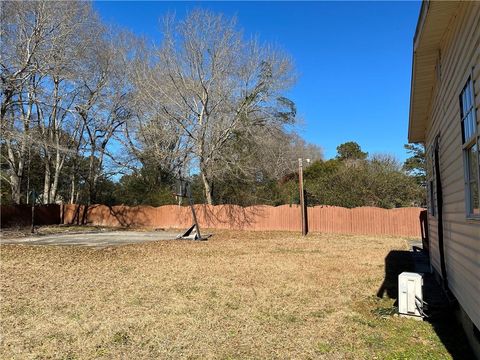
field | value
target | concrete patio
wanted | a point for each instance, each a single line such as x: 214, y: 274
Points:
x: 93, y: 239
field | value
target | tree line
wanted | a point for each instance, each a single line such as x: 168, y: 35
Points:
x: 351, y: 179
x: 91, y: 113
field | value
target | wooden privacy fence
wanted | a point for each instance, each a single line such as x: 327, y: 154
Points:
x: 328, y: 219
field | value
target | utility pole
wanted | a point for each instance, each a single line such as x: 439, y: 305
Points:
x: 302, y: 198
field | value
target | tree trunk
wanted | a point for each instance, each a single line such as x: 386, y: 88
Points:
x: 15, y: 182
x: 91, y: 178
x: 59, y: 161
x: 72, y: 194
x: 46, y: 184
x: 16, y: 172
x: 54, y: 186
x: 208, y: 188
x: 55, y: 138
x: 27, y: 192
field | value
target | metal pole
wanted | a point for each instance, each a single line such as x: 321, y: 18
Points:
x: 190, y: 200
x: 302, y: 198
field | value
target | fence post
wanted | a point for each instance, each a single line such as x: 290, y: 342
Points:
x: 302, y: 198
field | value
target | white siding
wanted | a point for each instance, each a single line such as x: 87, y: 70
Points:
x: 460, y: 51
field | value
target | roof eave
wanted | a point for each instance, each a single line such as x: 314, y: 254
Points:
x: 426, y: 45
x: 414, y: 137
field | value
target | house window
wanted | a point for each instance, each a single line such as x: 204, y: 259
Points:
x: 471, y: 146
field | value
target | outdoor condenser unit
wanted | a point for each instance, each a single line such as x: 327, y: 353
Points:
x: 410, y: 296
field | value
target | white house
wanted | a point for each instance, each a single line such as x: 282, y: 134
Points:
x: 444, y: 115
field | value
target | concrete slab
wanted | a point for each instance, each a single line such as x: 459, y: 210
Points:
x: 93, y: 239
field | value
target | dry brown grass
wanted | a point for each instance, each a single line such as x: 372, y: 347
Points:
x: 238, y: 295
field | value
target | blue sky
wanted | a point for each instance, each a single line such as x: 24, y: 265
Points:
x: 353, y: 60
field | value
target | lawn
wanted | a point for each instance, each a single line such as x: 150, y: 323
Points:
x: 238, y: 295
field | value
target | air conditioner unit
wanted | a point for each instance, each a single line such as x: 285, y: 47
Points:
x: 410, y: 295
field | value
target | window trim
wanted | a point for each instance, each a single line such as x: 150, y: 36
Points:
x: 467, y: 144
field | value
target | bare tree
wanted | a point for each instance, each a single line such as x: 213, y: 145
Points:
x: 104, y: 103
x: 22, y: 36
x: 99, y: 101
x: 60, y: 128
x: 147, y: 137
x: 41, y: 44
x: 209, y: 84
x: 268, y: 154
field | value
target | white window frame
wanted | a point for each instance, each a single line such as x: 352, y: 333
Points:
x: 467, y: 144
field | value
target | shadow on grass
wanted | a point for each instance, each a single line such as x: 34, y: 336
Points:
x: 441, y: 313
